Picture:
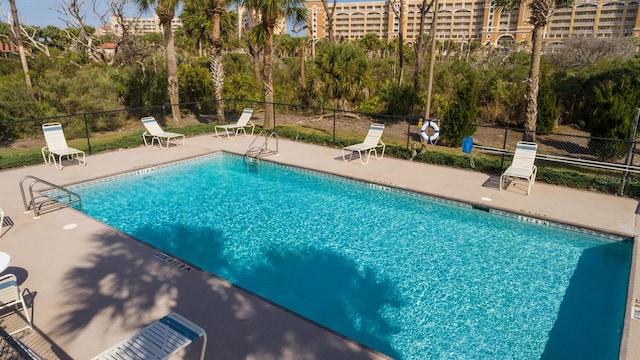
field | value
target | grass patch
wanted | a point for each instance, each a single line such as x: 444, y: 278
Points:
x: 573, y: 176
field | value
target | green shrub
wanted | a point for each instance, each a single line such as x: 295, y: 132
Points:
x: 547, y: 111
x: 460, y: 119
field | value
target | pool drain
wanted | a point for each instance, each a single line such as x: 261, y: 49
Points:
x: 173, y: 261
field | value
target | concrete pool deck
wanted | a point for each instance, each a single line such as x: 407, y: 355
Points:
x: 91, y: 286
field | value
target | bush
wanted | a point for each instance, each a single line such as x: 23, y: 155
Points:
x: 460, y: 119
x: 547, y: 111
x: 399, y: 100
x: 611, y: 120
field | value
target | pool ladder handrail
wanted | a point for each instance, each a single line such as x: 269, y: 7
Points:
x: 68, y: 197
x: 256, y: 152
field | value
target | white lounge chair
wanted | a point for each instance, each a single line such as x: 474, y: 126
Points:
x: 1, y: 220
x: 57, y: 147
x: 10, y: 296
x: 522, y: 165
x: 370, y: 145
x: 155, y: 133
x: 240, y: 126
x: 158, y: 340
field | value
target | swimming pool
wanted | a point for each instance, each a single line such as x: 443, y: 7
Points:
x: 409, y: 276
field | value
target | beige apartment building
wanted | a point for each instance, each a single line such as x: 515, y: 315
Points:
x: 138, y: 26
x: 141, y: 26
x: 474, y: 20
x: 244, y: 22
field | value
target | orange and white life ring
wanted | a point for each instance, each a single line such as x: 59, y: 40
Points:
x: 436, y: 131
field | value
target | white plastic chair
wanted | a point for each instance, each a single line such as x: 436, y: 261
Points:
x: 522, y: 165
x: 10, y: 296
x: 155, y: 133
x: 57, y: 147
x: 370, y: 145
x: 158, y: 340
x: 240, y: 126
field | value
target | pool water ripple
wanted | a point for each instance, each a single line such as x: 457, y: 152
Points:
x: 412, y: 278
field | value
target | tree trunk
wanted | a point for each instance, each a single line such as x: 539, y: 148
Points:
x: 217, y: 67
x: 269, y: 121
x: 432, y: 59
x: 400, y: 44
x: 533, y: 82
x: 254, y: 50
x: 330, y: 13
x: 420, y: 47
x: 20, y: 45
x: 172, y: 72
x: 302, y: 75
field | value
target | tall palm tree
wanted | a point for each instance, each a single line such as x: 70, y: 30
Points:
x: 256, y: 47
x: 196, y: 25
x: 165, y: 10
x: 216, y: 20
x: 272, y: 13
x: 216, y: 9
x: 541, y: 11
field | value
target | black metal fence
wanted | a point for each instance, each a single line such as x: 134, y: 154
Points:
x: 21, y: 140
x: 12, y: 349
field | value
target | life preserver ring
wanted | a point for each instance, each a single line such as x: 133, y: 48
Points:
x: 436, y: 131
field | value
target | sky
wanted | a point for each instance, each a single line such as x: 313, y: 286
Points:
x: 42, y: 12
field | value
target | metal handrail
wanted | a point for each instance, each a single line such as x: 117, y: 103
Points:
x: 263, y: 149
x: 568, y: 160
x: 32, y: 204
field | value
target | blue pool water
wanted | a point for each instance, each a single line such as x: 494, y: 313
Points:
x: 411, y: 277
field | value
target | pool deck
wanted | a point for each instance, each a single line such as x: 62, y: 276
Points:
x: 92, y: 286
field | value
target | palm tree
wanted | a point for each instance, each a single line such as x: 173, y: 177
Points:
x: 255, y: 45
x: 541, y: 12
x: 339, y: 74
x: 217, y: 8
x: 196, y: 25
x: 165, y: 10
x: 212, y: 18
x: 272, y: 13
x: 371, y: 44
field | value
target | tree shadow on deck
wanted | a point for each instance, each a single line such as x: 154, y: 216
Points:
x: 127, y: 284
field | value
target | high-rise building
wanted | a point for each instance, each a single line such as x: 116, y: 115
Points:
x: 245, y: 24
x: 474, y: 20
x: 138, y: 26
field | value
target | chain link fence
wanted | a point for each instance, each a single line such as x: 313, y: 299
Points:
x: 611, y: 159
x: 12, y: 349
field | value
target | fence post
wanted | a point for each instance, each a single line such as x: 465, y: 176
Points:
x: 504, y: 146
x: 408, y: 133
x: 334, y: 125
x: 628, y: 162
x: 632, y: 146
x: 226, y: 108
x: 86, y: 131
